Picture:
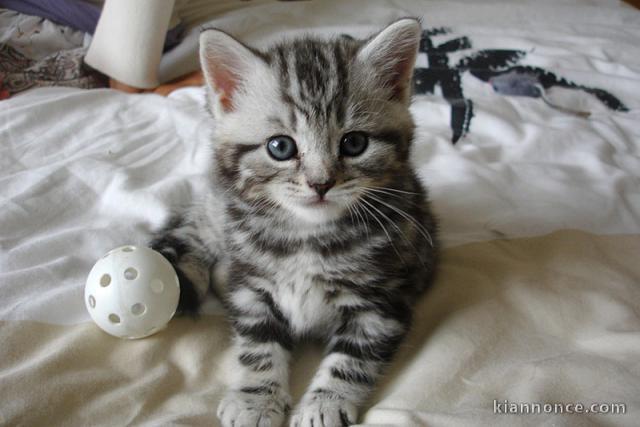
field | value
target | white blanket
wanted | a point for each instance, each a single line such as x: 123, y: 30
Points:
x: 538, y: 299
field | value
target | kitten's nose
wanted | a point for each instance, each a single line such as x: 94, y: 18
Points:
x: 322, y: 187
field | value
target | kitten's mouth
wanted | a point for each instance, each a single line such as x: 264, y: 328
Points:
x: 315, y: 209
x: 317, y: 201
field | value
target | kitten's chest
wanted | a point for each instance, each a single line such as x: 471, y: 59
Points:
x: 308, y: 302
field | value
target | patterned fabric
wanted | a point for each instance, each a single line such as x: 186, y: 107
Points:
x: 488, y: 65
x: 65, y: 68
x: 35, y: 52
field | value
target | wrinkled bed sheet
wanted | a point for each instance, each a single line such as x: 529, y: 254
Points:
x: 538, y: 296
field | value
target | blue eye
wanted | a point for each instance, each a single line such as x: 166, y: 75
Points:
x: 354, y: 143
x: 282, y: 147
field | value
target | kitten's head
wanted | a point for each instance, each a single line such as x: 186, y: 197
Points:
x: 309, y: 125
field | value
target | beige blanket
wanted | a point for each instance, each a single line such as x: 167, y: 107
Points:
x: 551, y: 319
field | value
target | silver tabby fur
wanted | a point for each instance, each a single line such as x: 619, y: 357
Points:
x: 345, y: 267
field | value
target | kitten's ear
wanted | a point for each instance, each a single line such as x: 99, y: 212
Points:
x: 227, y: 64
x: 391, y: 54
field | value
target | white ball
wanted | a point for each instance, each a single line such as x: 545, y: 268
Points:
x: 132, y: 292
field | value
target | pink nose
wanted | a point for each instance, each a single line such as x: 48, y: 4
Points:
x: 323, y: 187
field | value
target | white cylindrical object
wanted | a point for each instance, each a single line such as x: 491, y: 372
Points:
x: 132, y: 292
x: 127, y: 44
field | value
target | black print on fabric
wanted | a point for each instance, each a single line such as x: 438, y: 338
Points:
x: 482, y: 64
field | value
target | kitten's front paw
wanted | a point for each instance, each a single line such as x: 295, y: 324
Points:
x: 325, y: 413
x: 239, y: 409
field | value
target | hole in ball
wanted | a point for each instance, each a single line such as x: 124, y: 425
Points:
x: 157, y: 286
x: 138, y: 309
x: 92, y: 301
x: 128, y: 249
x: 105, y: 280
x: 130, y: 273
x: 114, y: 318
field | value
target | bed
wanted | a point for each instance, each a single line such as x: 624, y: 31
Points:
x: 537, y: 300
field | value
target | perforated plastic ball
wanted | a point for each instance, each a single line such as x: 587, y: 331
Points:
x: 132, y: 292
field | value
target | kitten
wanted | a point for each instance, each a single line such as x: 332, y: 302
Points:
x: 315, y: 214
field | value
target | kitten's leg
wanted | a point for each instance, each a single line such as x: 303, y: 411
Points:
x: 357, y: 354
x: 178, y: 241
x: 259, y: 394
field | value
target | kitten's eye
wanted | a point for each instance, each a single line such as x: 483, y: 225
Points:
x: 354, y: 143
x: 282, y: 147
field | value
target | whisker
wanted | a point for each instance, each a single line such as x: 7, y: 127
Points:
x: 350, y: 214
x: 383, y: 228
x: 395, y: 190
x: 425, y: 233
x: 402, y: 234
x: 365, y: 224
x: 397, y: 196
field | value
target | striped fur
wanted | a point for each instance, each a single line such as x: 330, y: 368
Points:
x: 346, y: 270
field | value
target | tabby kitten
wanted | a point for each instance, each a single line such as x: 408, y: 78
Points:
x: 315, y: 214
